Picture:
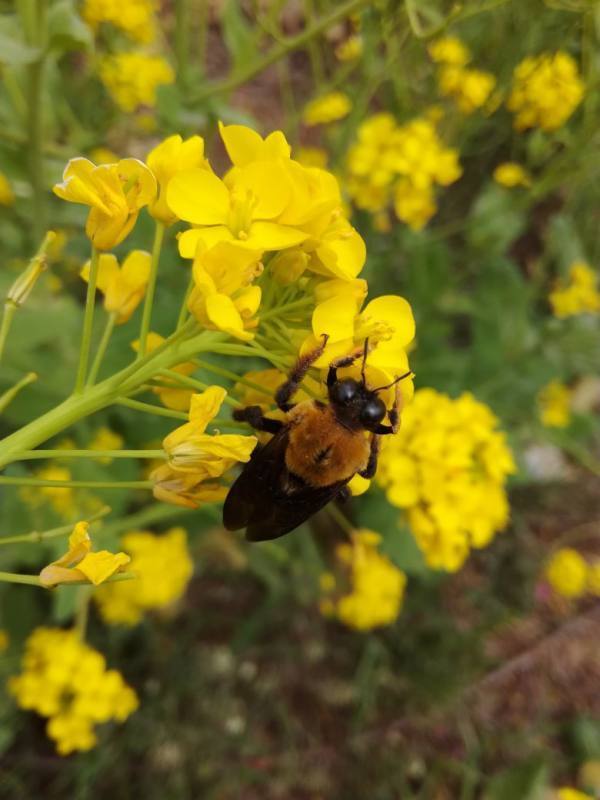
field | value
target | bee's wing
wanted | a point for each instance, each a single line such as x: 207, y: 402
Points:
x: 267, y: 499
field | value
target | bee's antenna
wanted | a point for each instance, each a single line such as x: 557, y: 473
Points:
x: 364, y: 361
x: 394, y: 382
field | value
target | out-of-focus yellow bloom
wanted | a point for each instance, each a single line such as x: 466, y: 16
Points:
x: 114, y: 192
x: 554, y: 402
x: 162, y: 566
x: 123, y: 287
x: 567, y: 572
x: 326, y: 109
x: 414, y: 205
x: 136, y: 18
x: 168, y: 158
x: 172, y: 397
x: 447, y: 469
x: 349, y: 50
x: 79, y: 563
x: 133, y: 78
x: 469, y: 88
x: 578, y: 295
x: 568, y: 793
x: 7, y: 196
x: 312, y: 157
x: 223, y: 297
x: 376, y: 585
x: 62, y: 499
x: 449, y: 50
x: 546, y: 90
x: 103, y: 155
x: 67, y: 681
x: 4, y: 640
x: 511, y: 174
x: 105, y: 439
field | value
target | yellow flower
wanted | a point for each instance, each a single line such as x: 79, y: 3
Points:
x: 414, y: 205
x: 7, y: 196
x: 349, y: 50
x: 511, y: 174
x: 470, y: 88
x: 546, y: 90
x: 163, y: 568
x: 567, y: 573
x: 185, y: 489
x: 244, y: 145
x: 103, y: 155
x: 114, y: 192
x: 447, y: 469
x: 567, y: 793
x: 172, y: 397
x: 123, y: 287
x: 554, y: 402
x: 376, y: 585
x: 105, y: 439
x: 329, y: 108
x: 223, y: 298
x: 133, y: 78
x: 312, y: 157
x: 579, y: 295
x: 137, y: 18
x: 67, y: 681
x: 449, y: 50
x: 62, y: 499
x: 167, y: 159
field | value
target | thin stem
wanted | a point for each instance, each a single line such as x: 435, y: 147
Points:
x: 84, y: 596
x: 7, y: 318
x: 159, y: 411
x: 182, y: 40
x: 35, y: 131
x: 30, y: 455
x: 33, y: 580
x: 88, y: 322
x: 26, y: 481
x: 110, y: 324
x: 36, y: 537
x: 149, y: 301
x: 340, y: 518
x: 9, y: 395
x: 232, y: 376
x: 316, y: 62
x: 280, y: 311
x: 183, y: 311
x: 184, y: 380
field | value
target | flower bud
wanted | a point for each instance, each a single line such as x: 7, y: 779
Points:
x: 22, y: 287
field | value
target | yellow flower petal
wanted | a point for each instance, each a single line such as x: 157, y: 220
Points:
x: 97, y: 567
x: 223, y: 314
x: 207, y: 238
x: 267, y: 182
x: 244, y: 145
x: 80, y: 545
x: 271, y: 236
x: 205, y: 406
x: 198, y: 196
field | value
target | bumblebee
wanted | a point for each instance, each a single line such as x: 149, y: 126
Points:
x: 313, y: 454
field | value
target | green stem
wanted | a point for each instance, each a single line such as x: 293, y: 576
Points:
x: 33, y: 580
x: 149, y: 301
x: 110, y: 324
x: 88, y: 322
x: 36, y: 537
x: 182, y: 40
x: 30, y: 455
x: 9, y: 395
x: 159, y: 411
x: 7, y: 318
x: 340, y: 518
x: 183, y: 311
x: 184, y: 380
x: 84, y: 596
x: 232, y: 376
x: 36, y: 36
x: 25, y: 481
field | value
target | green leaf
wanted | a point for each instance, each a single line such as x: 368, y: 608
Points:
x: 496, y: 220
x: 585, y: 733
x: 66, y: 29
x: 13, y: 50
x: 525, y: 781
x: 238, y: 35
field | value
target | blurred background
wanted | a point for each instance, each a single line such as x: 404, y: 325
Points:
x: 466, y: 142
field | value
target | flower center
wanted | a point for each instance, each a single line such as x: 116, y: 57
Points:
x: 243, y: 202
x: 378, y: 330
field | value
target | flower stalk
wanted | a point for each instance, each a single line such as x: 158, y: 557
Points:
x: 149, y: 300
x: 88, y: 322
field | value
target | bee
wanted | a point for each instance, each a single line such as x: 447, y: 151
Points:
x: 313, y: 454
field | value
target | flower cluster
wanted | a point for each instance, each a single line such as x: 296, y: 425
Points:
x: 570, y: 575
x: 447, y: 469
x: 328, y: 108
x: 376, y: 586
x: 546, y: 90
x: 162, y: 566
x: 470, y: 88
x: 554, y: 403
x: 402, y: 164
x: 578, y: 295
x: 511, y: 174
x: 133, y: 78
x: 136, y: 18
x: 67, y: 681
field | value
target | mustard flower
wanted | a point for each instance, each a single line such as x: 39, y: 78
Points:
x: 67, y: 681
x: 163, y: 568
x: 469, y: 88
x: 568, y: 793
x: 350, y: 49
x: 449, y: 50
x: 61, y: 499
x: 546, y: 90
x: 554, y: 403
x: 326, y: 109
x: 114, y: 192
x: 168, y: 158
x: 447, y: 469
x: 7, y: 196
x: 133, y: 78
x: 511, y: 174
x: 123, y: 286
x: 136, y: 18
x: 578, y: 295
x: 566, y: 572
x: 223, y: 298
x: 103, y: 155
x: 171, y: 395
x: 244, y: 145
x: 105, y: 439
x: 376, y: 586
x: 79, y: 563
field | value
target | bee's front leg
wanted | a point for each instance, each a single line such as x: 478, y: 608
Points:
x: 371, y: 468
x: 286, y: 391
x: 254, y: 416
x: 393, y: 415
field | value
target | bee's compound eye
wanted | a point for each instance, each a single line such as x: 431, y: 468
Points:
x: 344, y: 391
x: 372, y: 412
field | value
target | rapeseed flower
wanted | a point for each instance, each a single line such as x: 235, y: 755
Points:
x: 447, y: 469
x: 326, y: 109
x: 469, y: 88
x: 171, y: 395
x: 568, y: 793
x: 244, y: 145
x: 376, y: 586
x: 546, y: 90
x: 171, y: 156
x: 163, y: 568
x: 578, y: 295
x: 133, y: 78
x: 554, y: 403
x: 79, y: 563
x: 114, y: 192
x: 449, y: 50
x: 7, y: 196
x: 567, y: 573
x: 136, y: 18
x: 123, y: 286
x: 60, y: 498
x: 67, y: 681
x: 511, y: 174
x: 350, y: 49
x: 105, y: 439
